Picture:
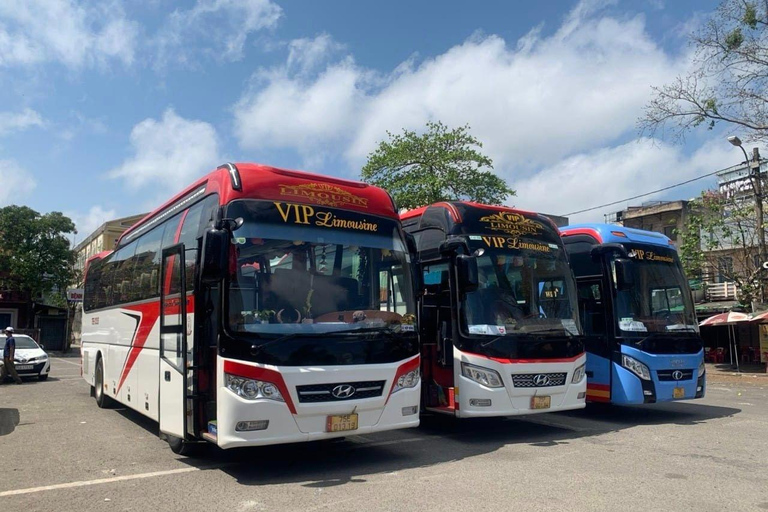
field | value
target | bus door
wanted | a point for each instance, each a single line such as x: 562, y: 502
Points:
x: 437, y: 337
x: 173, y: 342
x: 594, y: 314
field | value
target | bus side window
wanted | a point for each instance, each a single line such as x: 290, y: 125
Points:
x: 188, y: 237
x: 591, y: 308
x: 123, y: 274
x: 147, y: 268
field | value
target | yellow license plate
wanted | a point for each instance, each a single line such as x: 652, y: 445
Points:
x: 678, y: 393
x: 540, y: 402
x: 341, y: 423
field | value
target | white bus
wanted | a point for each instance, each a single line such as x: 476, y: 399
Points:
x: 292, y: 317
x: 500, y: 326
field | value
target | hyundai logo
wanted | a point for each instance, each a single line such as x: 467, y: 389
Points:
x: 677, y: 375
x: 343, y: 391
x: 541, y: 380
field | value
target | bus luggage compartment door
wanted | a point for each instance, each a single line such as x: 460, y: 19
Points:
x: 173, y: 342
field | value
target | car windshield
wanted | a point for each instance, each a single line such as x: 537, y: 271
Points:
x: 25, y: 342
x: 299, y: 275
x: 525, y: 286
x: 657, y: 298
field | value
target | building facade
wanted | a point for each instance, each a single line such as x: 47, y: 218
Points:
x: 103, y: 239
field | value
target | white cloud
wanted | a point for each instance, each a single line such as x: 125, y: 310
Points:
x: 305, y: 55
x: 17, y: 183
x: 11, y: 122
x: 531, y: 103
x: 310, y: 117
x: 87, y: 222
x: 605, y: 175
x: 40, y: 31
x: 223, y: 27
x: 169, y: 153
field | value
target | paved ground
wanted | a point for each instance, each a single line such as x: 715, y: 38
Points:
x: 66, y: 454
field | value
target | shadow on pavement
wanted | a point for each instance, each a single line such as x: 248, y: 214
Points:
x: 438, y: 440
x: 678, y: 413
x: 9, y: 418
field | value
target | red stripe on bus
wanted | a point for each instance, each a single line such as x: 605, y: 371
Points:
x: 524, y: 361
x: 264, y: 374
x: 404, y: 368
x: 599, y: 387
x: 583, y: 231
x: 149, y: 314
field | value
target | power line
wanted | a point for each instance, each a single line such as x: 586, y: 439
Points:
x: 647, y: 193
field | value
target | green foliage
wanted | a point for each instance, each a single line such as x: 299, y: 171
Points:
x: 35, y: 254
x: 719, y: 227
x: 439, y: 165
x: 750, y: 15
x: 734, y: 40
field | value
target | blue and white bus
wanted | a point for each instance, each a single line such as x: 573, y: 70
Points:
x: 643, y: 343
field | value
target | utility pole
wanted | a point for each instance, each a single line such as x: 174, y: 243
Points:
x: 757, y: 184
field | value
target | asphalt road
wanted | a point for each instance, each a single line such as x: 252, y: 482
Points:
x: 712, y: 454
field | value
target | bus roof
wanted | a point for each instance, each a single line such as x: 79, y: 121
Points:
x: 456, y: 208
x: 255, y: 181
x: 611, y: 233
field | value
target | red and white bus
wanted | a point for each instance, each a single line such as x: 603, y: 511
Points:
x: 499, y: 313
x: 258, y: 306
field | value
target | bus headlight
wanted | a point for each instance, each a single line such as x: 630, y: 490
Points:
x: 251, y: 389
x: 407, y: 380
x: 702, y: 368
x: 636, y: 367
x: 484, y: 376
x: 579, y: 374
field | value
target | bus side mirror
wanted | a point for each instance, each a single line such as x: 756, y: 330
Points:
x: 466, y: 267
x: 215, y: 258
x: 624, y: 276
x: 410, y: 243
x: 451, y: 246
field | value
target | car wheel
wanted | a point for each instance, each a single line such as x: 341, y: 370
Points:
x: 42, y: 376
x: 102, y: 400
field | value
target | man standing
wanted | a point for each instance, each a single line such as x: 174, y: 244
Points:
x: 8, y: 352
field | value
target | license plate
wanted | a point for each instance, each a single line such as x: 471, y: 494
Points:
x: 22, y: 367
x: 678, y: 393
x: 341, y: 423
x: 540, y: 402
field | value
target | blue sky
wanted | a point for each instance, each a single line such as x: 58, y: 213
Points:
x: 109, y: 107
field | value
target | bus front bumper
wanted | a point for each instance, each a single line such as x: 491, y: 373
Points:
x: 400, y: 411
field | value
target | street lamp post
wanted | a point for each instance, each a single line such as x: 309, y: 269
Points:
x: 754, y: 175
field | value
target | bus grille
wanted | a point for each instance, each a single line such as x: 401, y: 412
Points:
x: 669, y: 375
x: 538, y: 380
x: 325, y: 392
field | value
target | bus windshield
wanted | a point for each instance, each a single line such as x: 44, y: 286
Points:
x: 658, y: 299
x: 527, y: 288
x: 299, y: 270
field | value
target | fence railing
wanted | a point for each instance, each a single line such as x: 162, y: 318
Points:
x: 721, y: 291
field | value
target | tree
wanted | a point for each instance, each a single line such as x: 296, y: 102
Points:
x: 720, y: 235
x: 727, y: 81
x: 439, y: 165
x: 35, y: 256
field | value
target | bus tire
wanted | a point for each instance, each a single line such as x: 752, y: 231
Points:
x: 182, y: 447
x: 102, y: 400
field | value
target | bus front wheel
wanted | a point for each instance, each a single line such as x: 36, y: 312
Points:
x: 182, y: 447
